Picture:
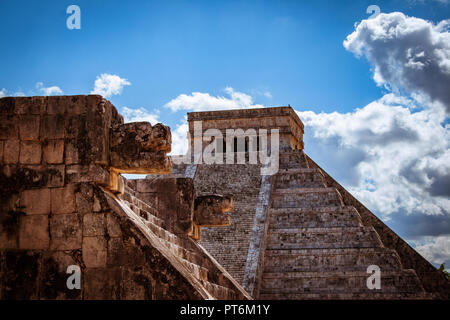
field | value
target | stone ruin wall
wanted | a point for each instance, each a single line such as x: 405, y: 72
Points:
x: 431, y: 279
x: 57, y: 180
x: 230, y: 245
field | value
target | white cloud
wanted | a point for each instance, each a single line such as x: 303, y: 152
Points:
x: 403, y: 157
x: 108, y: 85
x: 267, y: 94
x: 180, y: 138
x: 4, y: 93
x: 199, y: 101
x: 435, y: 249
x: 48, y: 91
x: 140, y: 114
x: 406, y: 53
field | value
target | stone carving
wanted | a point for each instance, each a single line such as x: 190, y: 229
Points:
x: 210, y: 211
x: 138, y: 147
x: 175, y: 200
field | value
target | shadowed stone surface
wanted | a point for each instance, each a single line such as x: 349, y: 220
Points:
x: 64, y: 203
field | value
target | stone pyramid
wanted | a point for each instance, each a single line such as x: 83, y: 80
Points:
x: 299, y: 234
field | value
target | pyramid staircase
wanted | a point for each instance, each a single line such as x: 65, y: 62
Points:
x: 207, y: 271
x: 318, y: 248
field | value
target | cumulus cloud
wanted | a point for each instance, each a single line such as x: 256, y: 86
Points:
x: 48, y: 91
x: 108, y: 85
x: 394, y: 159
x: 435, y: 249
x: 180, y: 138
x: 140, y: 114
x: 198, y: 101
x: 4, y: 93
x: 406, y: 53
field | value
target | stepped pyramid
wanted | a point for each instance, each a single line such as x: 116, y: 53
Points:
x: 318, y: 248
x: 299, y: 234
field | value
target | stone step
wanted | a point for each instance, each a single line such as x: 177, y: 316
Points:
x: 292, y: 160
x: 306, y: 198
x: 321, y: 217
x: 163, y: 234
x: 402, y: 281
x: 325, y: 260
x: 145, y: 215
x: 195, y: 263
x: 299, y: 178
x: 374, y: 295
x: 326, y: 238
x: 219, y: 292
x: 184, y: 253
x: 185, y: 250
x: 199, y: 272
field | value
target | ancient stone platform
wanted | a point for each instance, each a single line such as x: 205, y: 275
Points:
x: 313, y: 239
x: 64, y: 203
x: 187, y: 231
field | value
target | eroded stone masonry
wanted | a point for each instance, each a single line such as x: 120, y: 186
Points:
x: 187, y: 231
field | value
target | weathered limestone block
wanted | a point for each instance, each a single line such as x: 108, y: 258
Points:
x: 33, y: 232
x: 29, y: 105
x: 94, y: 251
x: 66, y: 232
x: 210, y: 210
x: 8, y: 127
x: 30, y: 152
x: 36, y: 201
x: 138, y: 147
x: 52, y: 127
x: 21, y: 269
x: 54, y: 151
x: 94, y: 225
x: 29, y: 127
x: 63, y: 199
x: 113, y: 226
x: 11, y: 151
x: 173, y: 198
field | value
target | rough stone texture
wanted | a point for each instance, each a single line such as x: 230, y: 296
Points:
x: 186, y: 255
x: 174, y: 195
x: 431, y: 279
x: 255, y: 256
x: 140, y: 148
x: 230, y: 245
x: 60, y: 165
x: 209, y: 211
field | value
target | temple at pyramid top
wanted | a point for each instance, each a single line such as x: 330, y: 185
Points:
x: 284, y: 119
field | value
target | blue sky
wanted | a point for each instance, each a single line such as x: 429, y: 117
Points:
x: 376, y: 111
x: 292, y: 49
